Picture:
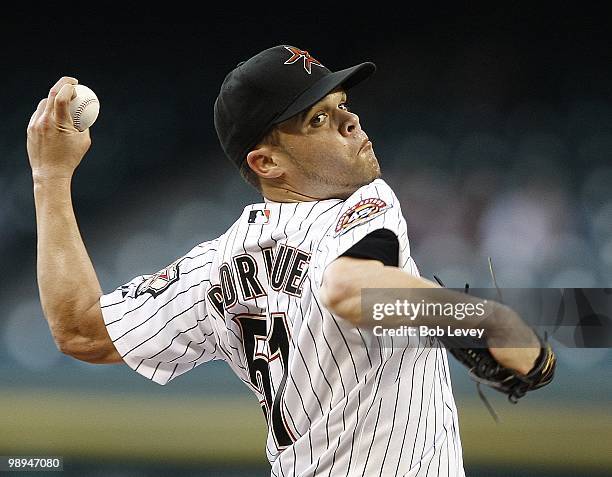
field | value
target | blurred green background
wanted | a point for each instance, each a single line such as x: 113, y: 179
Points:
x: 494, y: 127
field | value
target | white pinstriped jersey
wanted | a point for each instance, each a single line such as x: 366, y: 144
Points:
x: 338, y: 400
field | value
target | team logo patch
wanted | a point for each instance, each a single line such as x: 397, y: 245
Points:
x: 259, y: 216
x: 296, y: 54
x: 158, y: 283
x: 361, y: 212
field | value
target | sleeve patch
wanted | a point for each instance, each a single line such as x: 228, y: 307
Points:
x: 158, y: 283
x: 359, y: 213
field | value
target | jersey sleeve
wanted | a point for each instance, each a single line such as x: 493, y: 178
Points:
x: 159, y: 323
x: 371, y: 208
x: 381, y: 245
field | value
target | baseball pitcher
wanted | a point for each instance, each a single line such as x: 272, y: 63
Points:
x: 277, y: 295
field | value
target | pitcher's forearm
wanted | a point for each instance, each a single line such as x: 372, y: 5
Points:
x: 352, y: 277
x: 67, y: 281
x: 68, y: 287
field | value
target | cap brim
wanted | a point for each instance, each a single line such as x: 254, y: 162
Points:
x: 346, y: 78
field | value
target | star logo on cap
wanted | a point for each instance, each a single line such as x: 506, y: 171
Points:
x: 296, y: 54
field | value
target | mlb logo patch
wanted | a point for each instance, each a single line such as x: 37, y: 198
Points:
x: 259, y: 216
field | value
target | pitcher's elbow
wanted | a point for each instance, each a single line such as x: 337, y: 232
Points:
x: 342, y: 297
x: 71, y: 344
x: 334, y: 289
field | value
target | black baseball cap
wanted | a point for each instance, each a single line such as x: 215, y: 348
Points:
x: 269, y: 88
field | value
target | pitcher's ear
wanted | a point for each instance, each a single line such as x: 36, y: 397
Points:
x: 263, y: 162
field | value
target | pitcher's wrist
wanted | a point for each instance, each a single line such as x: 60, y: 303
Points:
x: 41, y: 177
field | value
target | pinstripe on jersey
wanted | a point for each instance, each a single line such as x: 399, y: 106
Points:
x: 338, y: 400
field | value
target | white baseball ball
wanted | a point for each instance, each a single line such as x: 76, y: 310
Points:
x: 84, y: 107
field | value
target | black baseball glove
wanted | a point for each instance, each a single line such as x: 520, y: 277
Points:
x: 483, y: 368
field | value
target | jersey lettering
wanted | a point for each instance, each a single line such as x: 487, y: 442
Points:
x: 285, y: 271
x: 282, y: 259
x: 230, y: 295
x: 215, y: 295
x: 293, y: 285
x: 246, y: 267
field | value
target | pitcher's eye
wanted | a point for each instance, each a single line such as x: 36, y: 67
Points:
x: 344, y: 106
x: 318, y: 119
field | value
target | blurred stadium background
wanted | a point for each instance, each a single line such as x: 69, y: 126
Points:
x: 493, y: 127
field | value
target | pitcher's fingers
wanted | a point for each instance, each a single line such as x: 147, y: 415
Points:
x: 62, y: 105
x: 55, y: 89
x: 38, y: 112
